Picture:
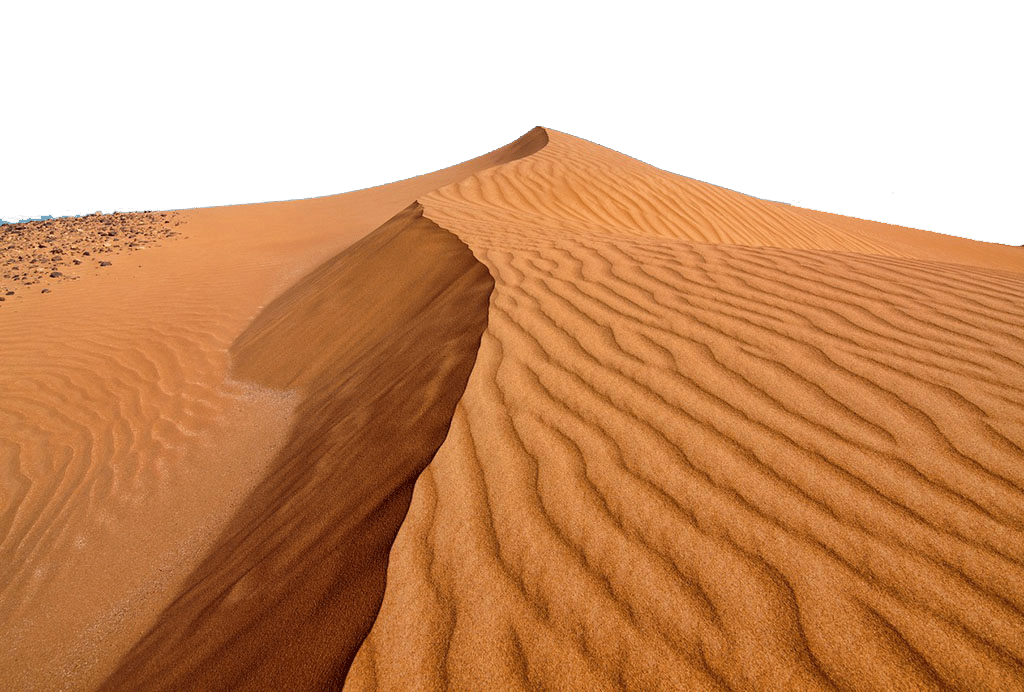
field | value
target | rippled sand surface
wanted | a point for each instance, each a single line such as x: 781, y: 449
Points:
x: 549, y: 419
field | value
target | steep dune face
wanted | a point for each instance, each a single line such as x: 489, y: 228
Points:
x: 126, y: 442
x: 291, y: 589
x: 711, y: 465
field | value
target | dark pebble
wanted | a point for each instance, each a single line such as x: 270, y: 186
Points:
x: 45, y: 290
x: 105, y: 264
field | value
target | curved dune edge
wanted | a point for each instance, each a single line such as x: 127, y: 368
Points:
x: 292, y: 587
x: 709, y: 443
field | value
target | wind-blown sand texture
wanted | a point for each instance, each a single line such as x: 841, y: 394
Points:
x: 656, y: 435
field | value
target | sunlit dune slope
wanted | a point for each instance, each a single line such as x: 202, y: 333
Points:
x: 127, y: 444
x: 711, y: 442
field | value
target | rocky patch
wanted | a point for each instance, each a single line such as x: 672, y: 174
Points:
x: 46, y: 252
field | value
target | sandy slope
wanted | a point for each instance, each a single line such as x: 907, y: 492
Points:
x: 126, y: 443
x: 687, y: 462
x: 678, y: 437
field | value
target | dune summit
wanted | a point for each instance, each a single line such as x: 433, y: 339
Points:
x: 548, y: 419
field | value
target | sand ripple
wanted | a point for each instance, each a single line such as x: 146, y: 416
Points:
x: 683, y: 465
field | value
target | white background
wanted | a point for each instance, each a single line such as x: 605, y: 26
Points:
x: 908, y: 113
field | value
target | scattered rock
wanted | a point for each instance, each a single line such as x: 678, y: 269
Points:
x: 37, y: 252
x: 45, y: 290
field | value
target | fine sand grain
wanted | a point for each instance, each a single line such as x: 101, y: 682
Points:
x: 549, y: 419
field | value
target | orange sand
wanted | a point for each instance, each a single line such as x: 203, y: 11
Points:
x: 678, y: 438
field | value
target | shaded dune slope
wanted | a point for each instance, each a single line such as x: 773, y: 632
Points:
x: 291, y: 589
x: 685, y: 460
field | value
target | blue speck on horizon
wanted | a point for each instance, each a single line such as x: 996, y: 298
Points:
x: 39, y: 218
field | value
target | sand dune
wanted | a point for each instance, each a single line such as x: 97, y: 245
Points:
x: 656, y: 434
